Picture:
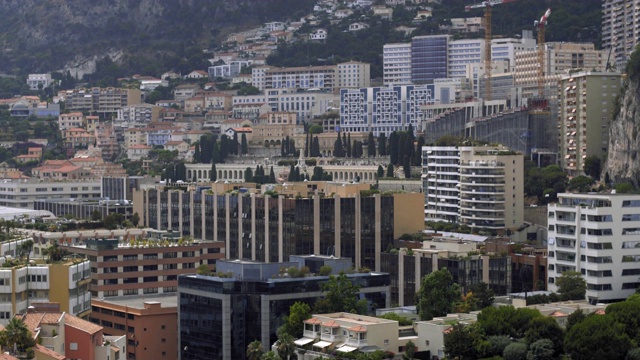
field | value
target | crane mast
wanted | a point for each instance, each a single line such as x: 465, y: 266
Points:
x: 487, y: 5
x: 540, y: 24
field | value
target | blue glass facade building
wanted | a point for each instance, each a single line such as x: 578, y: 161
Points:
x: 429, y: 58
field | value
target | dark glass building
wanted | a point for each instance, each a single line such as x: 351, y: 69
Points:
x: 219, y: 317
x: 429, y: 58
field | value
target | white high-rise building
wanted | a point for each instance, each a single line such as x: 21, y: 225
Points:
x: 620, y: 29
x: 462, y: 53
x: 505, y: 49
x: 597, y: 235
x: 396, y: 60
x: 480, y: 187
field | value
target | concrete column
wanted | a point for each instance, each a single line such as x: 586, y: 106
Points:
x: 358, y: 213
x: 228, y: 225
x: 180, y: 215
x: 377, y: 231
x: 146, y: 208
x: 401, y: 277
x: 316, y: 224
x: 337, y: 242
x: 191, y: 218
x: 253, y: 227
x: 240, y: 234
x: 266, y: 229
x: 203, y: 211
x: 169, y: 210
x: 280, y: 236
x: 485, y: 268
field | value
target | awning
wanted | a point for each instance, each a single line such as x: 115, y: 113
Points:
x: 346, y: 349
x: 303, y: 341
x: 321, y: 344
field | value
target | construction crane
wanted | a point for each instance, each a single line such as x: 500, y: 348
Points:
x: 541, y: 24
x: 487, y: 5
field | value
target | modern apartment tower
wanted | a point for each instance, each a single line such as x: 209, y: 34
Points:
x: 597, y: 235
x: 481, y: 187
x: 586, y: 102
x: 396, y: 60
x: 620, y: 29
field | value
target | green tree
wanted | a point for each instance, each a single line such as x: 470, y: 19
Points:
x: 203, y: 269
x: 592, y: 166
x: 272, y: 176
x: 541, y: 350
x: 244, y: 146
x: 135, y: 219
x: 214, y: 173
x: 25, y: 249
x: 16, y: 334
x: 483, y: 293
x: 546, y: 327
x: 515, y: 351
x: 627, y: 313
x: 380, y: 172
x: 338, y: 148
x: 382, y: 145
x: 506, y: 320
x: 437, y: 294
x: 270, y: 355
x: 580, y: 183
x: 571, y: 285
x: 390, y: 170
x: 340, y: 294
x: 96, y: 215
x: 371, y: 145
x: 574, y: 318
x: 294, y: 322
x: 286, y: 347
x: 597, y: 337
x: 409, y: 350
x: 248, y: 175
x: 325, y: 270
x: 254, y: 350
x: 458, y: 342
x: 633, y: 354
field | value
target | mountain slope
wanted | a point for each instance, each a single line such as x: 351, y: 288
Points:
x: 42, y: 35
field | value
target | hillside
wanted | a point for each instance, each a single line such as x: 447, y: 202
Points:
x: 43, y: 35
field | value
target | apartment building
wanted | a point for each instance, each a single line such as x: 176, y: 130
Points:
x: 323, y: 218
x: 103, y: 101
x: 139, y: 114
x: 66, y: 283
x: 258, y: 76
x: 597, y: 235
x: 505, y: 49
x: 384, y: 109
x: 149, y: 323
x: 184, y: 92
x: 353, y: 74
x: 463, y: 52
x: 306, y: 105
x: 346, y: 332
x: 481, y: 187
x: 142, y: 267
x: 620, y: 29
x: 586, y: 101
x: 219, y: 316
x: 559, y: 58
x: 396, y: 59
x: 409, y: 267
x: 70, y: 120
x: 22, y: 193
x: 429, y: 58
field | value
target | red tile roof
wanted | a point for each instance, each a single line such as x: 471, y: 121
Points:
x: 81, y: 324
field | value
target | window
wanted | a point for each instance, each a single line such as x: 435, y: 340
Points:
x: 73, y: 346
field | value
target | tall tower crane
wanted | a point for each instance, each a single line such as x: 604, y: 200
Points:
x: 487, y: 5
x: 540, y: 24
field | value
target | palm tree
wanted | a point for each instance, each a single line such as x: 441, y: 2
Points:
x: 16, y: 334
x: 286, y: 347
x: 254, y: 350
x: 270, y: 355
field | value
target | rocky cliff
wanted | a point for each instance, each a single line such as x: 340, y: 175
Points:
x: 623, y: 160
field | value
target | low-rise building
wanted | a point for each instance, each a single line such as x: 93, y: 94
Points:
x: 39, y: 81
x: 21, y: 193
x: 70, y: 120
x: 138, y: 152
x: 61, y: 170
x: 78, y: 137
x: 33, y: 154
x: 150, y: 324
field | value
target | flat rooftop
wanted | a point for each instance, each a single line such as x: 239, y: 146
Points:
x: 10, y: 213
x: 137, y: 302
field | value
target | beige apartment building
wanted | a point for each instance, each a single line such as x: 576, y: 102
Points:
x: 559, y: 58
x: 104, y: 101
x: 586, y: 101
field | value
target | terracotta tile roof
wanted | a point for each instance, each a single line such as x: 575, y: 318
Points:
x: 600, y: 312
x: 81, y: 324
x: 558, y: 314
x: 313, y: 321
x: 140, y: 146
x: 77, y: 129
x: 332, y: 324
x: 358, y: 328
x: 173, y: 143
x: 7, y: 357
x: 243, y: 129
x: 34, y: 320
x: 48, y: 352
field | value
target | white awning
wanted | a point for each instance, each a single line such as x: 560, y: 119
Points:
x: 346, y: 349
x: 321, y: 344
x: 303, y: 341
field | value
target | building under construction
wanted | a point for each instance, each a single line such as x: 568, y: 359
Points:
x: 523, y: 129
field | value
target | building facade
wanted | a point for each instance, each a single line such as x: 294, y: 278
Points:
x: 429, y: 58
x: 150, y: 324
x: 384, y: 109
x: 396, y: 59
x: 270, y: 229
x: 620, y: 29
x: 461, y: 53
x: 480, y: 187
x: 597, y: 235
x: 104, y: 101
x: 23, y: 193
x: 220, y: 316
x: 586, y: 101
